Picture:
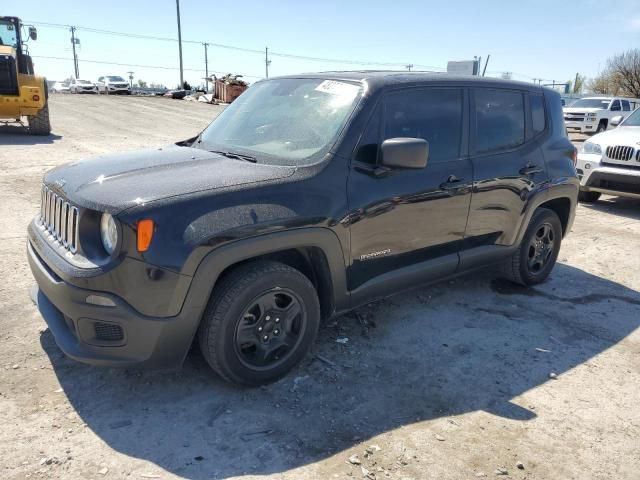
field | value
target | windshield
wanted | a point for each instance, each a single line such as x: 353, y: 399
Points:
x: 8, y: 35
x: 116, y: 79
x: 601, y: 103
x: 83, y: 82
x: 291, y: 121
x: 633, y: 120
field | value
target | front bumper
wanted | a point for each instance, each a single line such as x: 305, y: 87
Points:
x: 606, y: 178
x: 582, y: 126
x: 106, y: 335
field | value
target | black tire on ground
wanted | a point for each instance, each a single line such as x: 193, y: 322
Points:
x: 588, y: 197
x: 39, y: 124
x: 245, y: 302
x: 602, y: 126
x: 537, y: 254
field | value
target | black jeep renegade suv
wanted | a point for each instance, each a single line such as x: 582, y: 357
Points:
x: 308, y: 196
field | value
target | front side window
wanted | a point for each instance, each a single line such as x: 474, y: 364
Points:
x: 499, y: 119
x: 625, y: 106
x: 434, y: 114
x: 369, y: 144
x: 8, y: 35
x: 538, y: 118
x: 615, y: 106
x: 287, y: 121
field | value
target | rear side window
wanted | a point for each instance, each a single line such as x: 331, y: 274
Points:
x: 538, y: 119
x: 499, y: 119
x: 434, y: 114
x: 625, y: 106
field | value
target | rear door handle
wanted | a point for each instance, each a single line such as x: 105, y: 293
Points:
x: 452, y: 183
x: 530, y: 169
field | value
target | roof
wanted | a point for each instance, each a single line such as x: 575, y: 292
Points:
x: 383, y: 78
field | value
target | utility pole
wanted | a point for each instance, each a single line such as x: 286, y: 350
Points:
x: 74, y: 40
x: 409, y: 67
x: 267, y: 62
x: 180, y: 43
x: 131, y: 79
x: 206, y: 68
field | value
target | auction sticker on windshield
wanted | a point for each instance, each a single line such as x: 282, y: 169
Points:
x: 342, y: 89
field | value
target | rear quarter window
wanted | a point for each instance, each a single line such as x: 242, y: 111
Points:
x: 538, y: 115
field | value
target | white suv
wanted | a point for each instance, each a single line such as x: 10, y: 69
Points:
x: 111, y: 84
x: 610, y: 162
x: 594, y: 114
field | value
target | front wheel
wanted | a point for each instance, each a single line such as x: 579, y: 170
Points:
x: 40, y: 124
x: 588, y: 197
x: 537, y: 254
x: 602, y: 126
x: 260, y: 322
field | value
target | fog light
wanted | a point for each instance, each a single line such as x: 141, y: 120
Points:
x: 100, y: 300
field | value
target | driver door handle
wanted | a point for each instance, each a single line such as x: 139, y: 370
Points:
x: 452, y: 183
x: 530, y: 169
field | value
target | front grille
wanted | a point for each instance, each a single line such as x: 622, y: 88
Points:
x: 574, y: 117
x: 620, y: 152
x: 108, y: 332
x: 60, y: 219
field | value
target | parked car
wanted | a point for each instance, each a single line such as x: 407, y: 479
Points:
x: 60, y: 87
x: 113, y: 84
x: 610, y: 161
x: 594, y: 114
x: 307, y: 197
x: 82, y: 86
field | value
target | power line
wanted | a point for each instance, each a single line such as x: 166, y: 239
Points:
x: 243, y: 49
x: 159, y: 67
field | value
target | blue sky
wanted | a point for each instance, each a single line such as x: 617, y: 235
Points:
x: 533, y: 39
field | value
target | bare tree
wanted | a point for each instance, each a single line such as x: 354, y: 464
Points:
x: 601, y: 84
x: 624, y: 71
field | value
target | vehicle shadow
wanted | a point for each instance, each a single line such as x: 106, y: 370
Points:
x: 17, y: 135
x: 452, y: 348
x: 620, y: 206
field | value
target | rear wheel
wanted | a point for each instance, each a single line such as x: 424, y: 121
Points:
x: 260, y: 322
x: 588, y: 197
x: 535, y: 258
x: 39, y: 124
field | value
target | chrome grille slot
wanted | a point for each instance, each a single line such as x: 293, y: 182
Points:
x: 60, y: 219
x: 620, y: 152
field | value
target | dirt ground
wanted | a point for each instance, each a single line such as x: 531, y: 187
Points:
x: 447, y: 382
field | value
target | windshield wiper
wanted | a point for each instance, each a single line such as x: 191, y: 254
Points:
x: 235, y: 155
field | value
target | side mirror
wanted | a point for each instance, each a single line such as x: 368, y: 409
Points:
x: 405, y: 152
x: 617, y: 120
x: 33, y: 33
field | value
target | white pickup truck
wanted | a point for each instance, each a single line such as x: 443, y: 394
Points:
x: 594, y: 114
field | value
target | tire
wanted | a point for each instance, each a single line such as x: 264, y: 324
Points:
x: 39, y: 124
x: 588, y: 197
x: 257, y: 308
x: 522, y: 267
x: 602, y: 126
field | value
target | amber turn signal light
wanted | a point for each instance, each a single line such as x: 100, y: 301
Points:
x: 145, y: 234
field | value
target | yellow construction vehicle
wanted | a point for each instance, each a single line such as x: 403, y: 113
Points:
x: 22, y: 94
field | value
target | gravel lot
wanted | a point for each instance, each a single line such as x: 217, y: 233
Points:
x: 447, y: 382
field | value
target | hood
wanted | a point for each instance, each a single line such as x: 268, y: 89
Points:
x: 581, y: 110
x: 114, y: 183
x: 629, y: 136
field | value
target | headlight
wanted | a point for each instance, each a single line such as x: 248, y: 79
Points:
x: 592, y: 114
x: 108, y: 233
x: 590, y: 147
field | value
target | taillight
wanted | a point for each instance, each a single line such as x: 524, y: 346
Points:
x: 574, y: 156
x: 36, y: 98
